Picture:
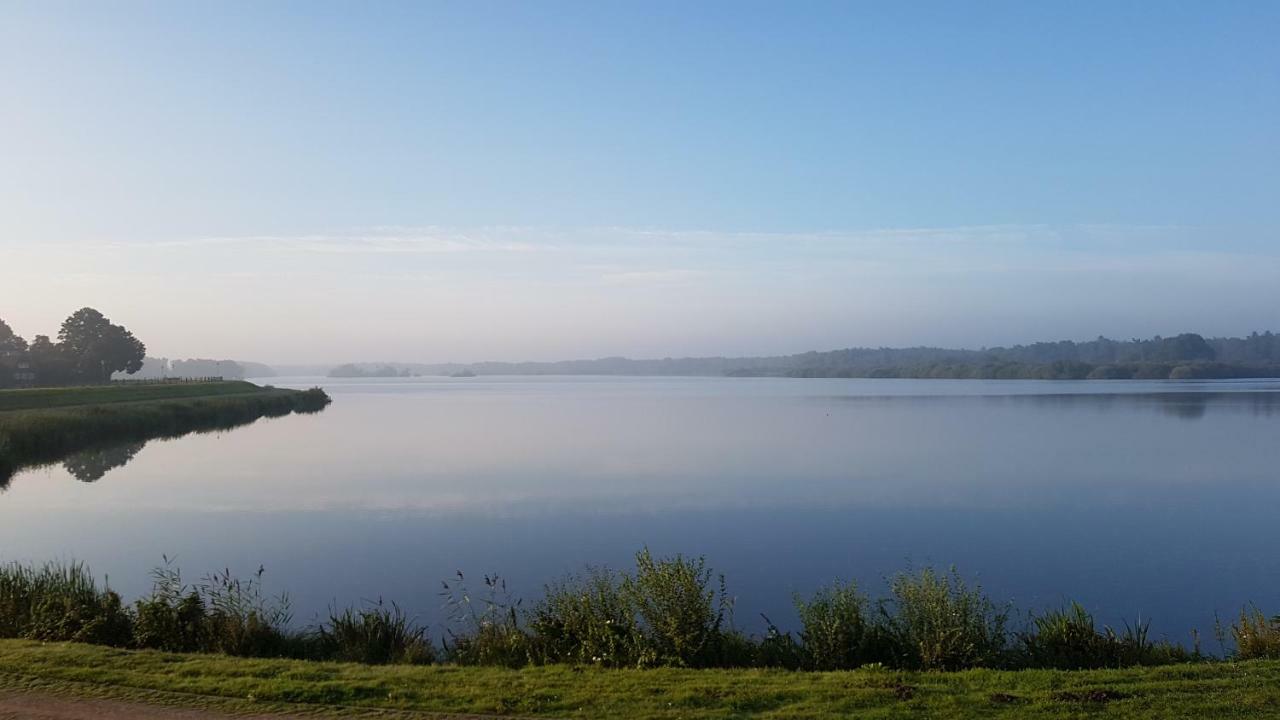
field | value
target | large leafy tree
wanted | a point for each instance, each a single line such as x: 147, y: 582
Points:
x: 95, y: 348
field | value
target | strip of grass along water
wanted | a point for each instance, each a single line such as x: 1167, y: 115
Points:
x: 45, y: 425
x: 1222, y: 691
x: 668, y: 612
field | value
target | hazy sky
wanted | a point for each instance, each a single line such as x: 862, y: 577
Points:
x: 463, y: 181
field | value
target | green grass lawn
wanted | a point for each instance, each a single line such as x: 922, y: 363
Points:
x: 1204, y: 691
x: 39, y: 398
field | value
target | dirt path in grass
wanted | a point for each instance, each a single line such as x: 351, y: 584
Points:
x: 38, y: 706
x: 24, y: 705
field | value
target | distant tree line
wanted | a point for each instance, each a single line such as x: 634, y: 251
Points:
x: 89, y: 349
x: 1182, y: 356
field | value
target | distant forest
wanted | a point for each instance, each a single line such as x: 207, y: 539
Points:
x: 1184, y: 356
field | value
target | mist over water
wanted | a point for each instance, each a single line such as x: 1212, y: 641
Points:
x: 1136, y: 498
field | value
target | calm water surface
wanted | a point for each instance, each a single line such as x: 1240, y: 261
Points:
x: 1151, y: 499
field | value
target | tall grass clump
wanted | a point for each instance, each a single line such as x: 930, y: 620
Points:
x: 1067, y: 639
x: 378, y: 634
x: 936, y: 622
x: 485, y: 629
x: 221, y: 614
x: 60, y: 602
x: 243, y: 620
x: 838, y: 631
x: 1256, y: 635
x: 174, y: 617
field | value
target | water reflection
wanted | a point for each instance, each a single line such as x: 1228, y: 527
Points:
x: 91, y: 465
x: 1182, y: 405
x: 1123, y: 495
x: 87, y: 458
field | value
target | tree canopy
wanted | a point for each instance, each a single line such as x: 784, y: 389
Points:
x: 90, y: 348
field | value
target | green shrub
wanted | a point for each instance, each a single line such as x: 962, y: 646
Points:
x: 587, y: 619
x: 679, y: 614
x: 776, y: 649
x: 936, y: 622
x: 376, y: 635
x: 837, y: 631
x: 1256, y: 635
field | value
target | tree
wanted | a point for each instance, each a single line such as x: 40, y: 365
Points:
x: 11, y: 345
x: 51, y: 365
x: 12, y: 349
x: 95, y: 348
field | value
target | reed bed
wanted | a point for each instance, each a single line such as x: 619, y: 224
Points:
x: 667, y: 612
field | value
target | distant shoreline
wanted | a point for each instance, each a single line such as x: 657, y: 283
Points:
x: 1183, y: 357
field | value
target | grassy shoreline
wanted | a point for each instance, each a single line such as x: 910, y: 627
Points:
x: 44, y: 425
x: 667, y: 613
x: 1219, y: 690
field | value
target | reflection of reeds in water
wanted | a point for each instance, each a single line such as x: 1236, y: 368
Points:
x: 38, y: 436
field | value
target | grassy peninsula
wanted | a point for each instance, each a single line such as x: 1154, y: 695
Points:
x: 42, y: 425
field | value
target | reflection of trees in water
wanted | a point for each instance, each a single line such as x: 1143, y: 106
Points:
x: 1182, y: 405
x: 92, y: 451
x: 91, y: 465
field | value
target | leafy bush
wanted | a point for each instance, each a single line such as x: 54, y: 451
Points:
x: 776, y: 649
x: 836, y: 630
x: 937, y: 623
x: 1256, y: 635
x: 376, y: 635
x: 679, y: 614
x: 587, y: 619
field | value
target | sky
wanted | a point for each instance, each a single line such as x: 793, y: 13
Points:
x: 326, y: 182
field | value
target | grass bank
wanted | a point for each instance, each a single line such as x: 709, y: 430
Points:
x: 44, y: 425
x: 1220, y: 690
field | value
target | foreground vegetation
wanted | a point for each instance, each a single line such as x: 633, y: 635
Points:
x: 1206, y: 690
x: 668, y: 612
x: 47, y: 424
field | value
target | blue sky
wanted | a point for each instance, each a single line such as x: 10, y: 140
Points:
x: 536, y: 180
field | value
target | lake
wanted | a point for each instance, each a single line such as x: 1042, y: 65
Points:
x: 1140, y: 499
